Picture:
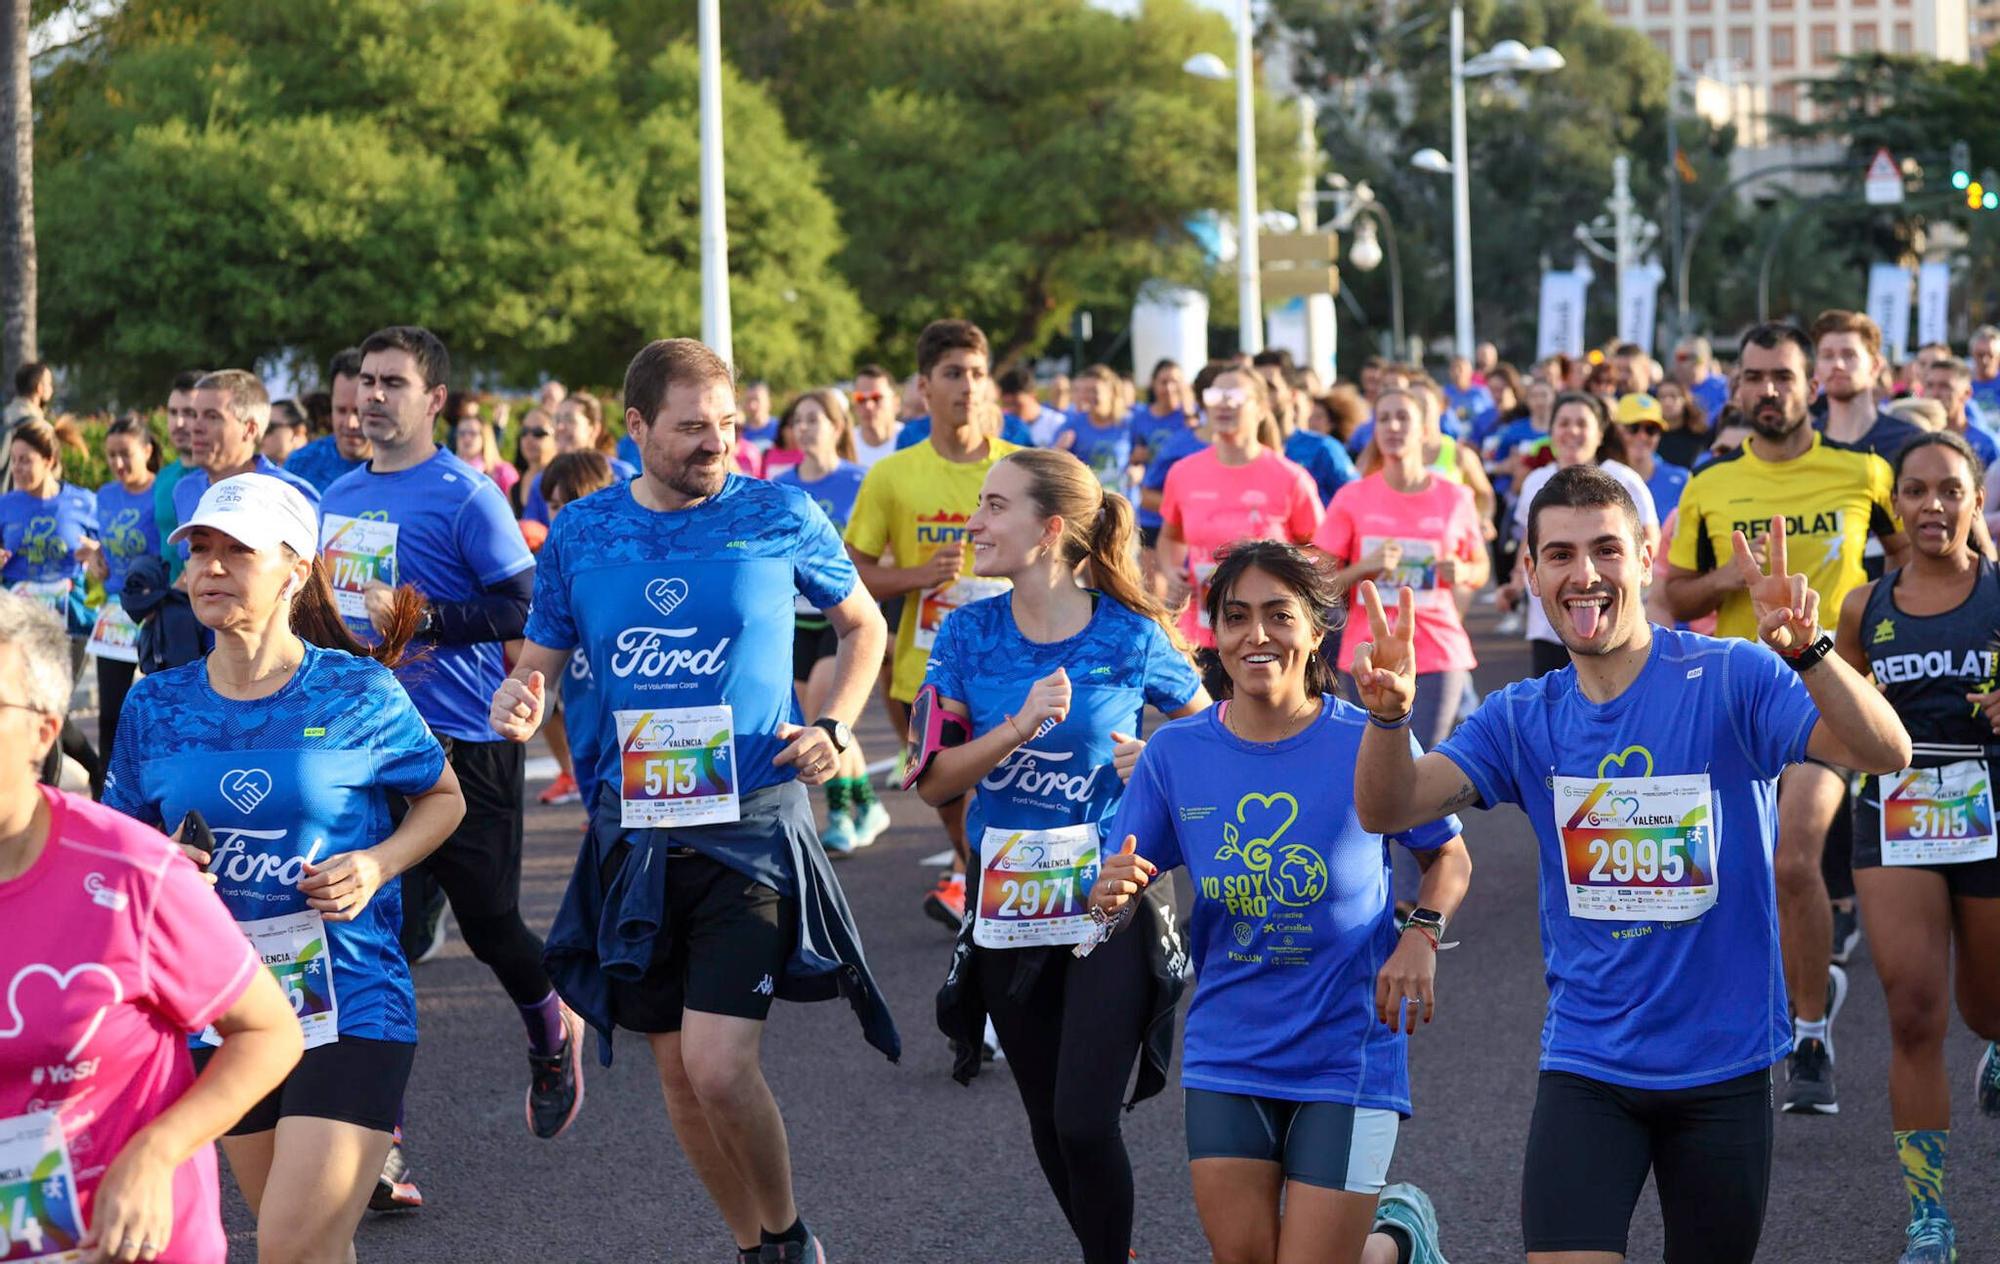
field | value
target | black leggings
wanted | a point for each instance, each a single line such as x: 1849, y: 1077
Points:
x: 1591, y: 1144
x: 1071, y: 1043
x: 114, y: 681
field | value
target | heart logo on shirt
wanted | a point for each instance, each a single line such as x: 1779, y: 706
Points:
x: 1614, y: 765
x: 666, y: 595
x: 374, y: 515
x: 245, y: 788
x: 18, y: 1023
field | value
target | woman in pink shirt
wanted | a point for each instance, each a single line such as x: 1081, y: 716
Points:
x: 115, y: 951
x: 1239, y: 488
x: 1407, y: 525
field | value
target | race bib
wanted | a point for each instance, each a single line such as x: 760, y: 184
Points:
x: 114, y: 635
x: 52, y: 593
x: 1938, y: 816
x: 1637, y: 849
x: 677, y: 767
x: 939, y: 602
x: 1416, y: 570
x: 293, y: 947
x: 1034, y: 886
x: 358, y: 552
x: 1203, y: 572
x: 40, y: 1219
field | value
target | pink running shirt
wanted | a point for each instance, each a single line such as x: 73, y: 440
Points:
x: 115, y: 950
x: 1440, y: 521
x: 1215, y: 505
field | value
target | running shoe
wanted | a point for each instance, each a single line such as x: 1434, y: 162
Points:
x: 1836, y: 996
x: 555, y: 1085
x: 1809, y: 1089
x: 561, y: 790
x: 946, y: 902
x: 1929, y: 1240
x: 434, y: 948
x: 394, y: 1188
x: 872, y: 824
x: 1986, y: 1081
x: 838, y: 836
x: 990, y: 1050
x: 749, y: 1255
x: 1408, y: 1209
x: 806, y: 1252
x: 1846, y: 932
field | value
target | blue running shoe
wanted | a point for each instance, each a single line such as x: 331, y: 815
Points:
x: 1408, y: 1209
x: 1930, y: 1240
x: 838, y: 836
x: 871, y: 824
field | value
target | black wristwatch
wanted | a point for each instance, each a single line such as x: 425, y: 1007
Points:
x: 843, y: 737
x: 426, y: 626
x: 1429, y: 919
x: 1809, y: 656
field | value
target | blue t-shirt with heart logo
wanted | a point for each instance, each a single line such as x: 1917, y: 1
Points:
x: 302, y: 775
x: 1644, y: 1003
x: 689, y: 608
x: 1293, y: 914
x: 1120, y: 663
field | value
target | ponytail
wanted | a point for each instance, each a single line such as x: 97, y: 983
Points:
x: 316, y: 618
x: 1098, y: 531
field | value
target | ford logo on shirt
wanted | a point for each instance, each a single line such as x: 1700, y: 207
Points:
x: 1023, y: 770
x: 233, y: 862
x: 647, y: 652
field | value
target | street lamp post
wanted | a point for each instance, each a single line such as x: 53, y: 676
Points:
x: 1508, y: 57
x: 1249, y: 288
x: 715, y: 321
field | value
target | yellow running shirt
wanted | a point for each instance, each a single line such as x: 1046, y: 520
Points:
x: 1833, y: 498
x: 910, y: 503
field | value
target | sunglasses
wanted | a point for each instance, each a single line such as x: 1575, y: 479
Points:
x: 1219, y: 397
x: 1647, y: 426
x: 869, y: 397
x: 535, y: 432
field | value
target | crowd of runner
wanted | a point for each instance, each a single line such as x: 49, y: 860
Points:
x: 1761, y: 607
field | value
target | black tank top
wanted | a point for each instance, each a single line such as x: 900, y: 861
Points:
x: 1926, y: 664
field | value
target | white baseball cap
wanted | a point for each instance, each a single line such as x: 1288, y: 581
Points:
x: 258, y: 510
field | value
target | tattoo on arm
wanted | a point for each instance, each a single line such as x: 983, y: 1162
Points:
x: 1463, y: 797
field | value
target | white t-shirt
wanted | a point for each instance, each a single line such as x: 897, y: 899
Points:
x: 866, y: 453
x: 1539, y: 628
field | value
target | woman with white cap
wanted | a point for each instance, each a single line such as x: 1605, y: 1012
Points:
x: 287, y: 741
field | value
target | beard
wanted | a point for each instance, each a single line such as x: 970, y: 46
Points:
x: 1775, y: 421
x: 697, y: 479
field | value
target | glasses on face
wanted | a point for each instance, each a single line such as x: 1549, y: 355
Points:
x: 1225, y: 397
x: 1645, y: 427
x: 21, y: 706
x: 869, y: 397
x: 535, y: 432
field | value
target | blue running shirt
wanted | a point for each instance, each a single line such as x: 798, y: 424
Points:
x: 304, y: 774
x: 834, y: 494
x: 1654, y: 1004
x: 1106, y: 450
x: 445, y: 529
x: 1293, y: 916
x: 126, y: 525
x: 1117, y: 665
x: 690, y: 609
x: 320, y: 463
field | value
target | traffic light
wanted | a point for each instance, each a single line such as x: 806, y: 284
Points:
x: 1983, y: 194
x: 1961, y: 165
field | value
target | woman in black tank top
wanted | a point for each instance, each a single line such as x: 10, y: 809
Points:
x: 1925, y: 861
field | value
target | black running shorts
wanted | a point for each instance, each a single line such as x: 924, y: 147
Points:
x: 812, y: 640
x: 1973, y: 879
x: 1591, y: 1144
x: 479, y: 865
x: 724, y: 947
x: 353, y: 1081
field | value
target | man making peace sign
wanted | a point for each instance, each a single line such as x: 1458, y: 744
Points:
x: 1649, y: 773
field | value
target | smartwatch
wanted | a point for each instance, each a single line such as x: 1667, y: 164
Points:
x: 843, y: 737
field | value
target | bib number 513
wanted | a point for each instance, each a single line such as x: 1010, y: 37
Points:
x: 674, y: 777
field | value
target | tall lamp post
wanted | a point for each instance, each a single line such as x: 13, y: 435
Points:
x: 715, y: 321
x: 1249, y: 290
x: 1508, y: 57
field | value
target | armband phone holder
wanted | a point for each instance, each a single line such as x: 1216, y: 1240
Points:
x: 932, y: 729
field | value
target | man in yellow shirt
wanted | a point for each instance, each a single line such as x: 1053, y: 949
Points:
x: 913, y: 506
x: 1833, y: 499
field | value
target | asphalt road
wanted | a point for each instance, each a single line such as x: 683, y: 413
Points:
x: 898, y: 1163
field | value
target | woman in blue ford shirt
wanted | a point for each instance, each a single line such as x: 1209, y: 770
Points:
x: 1295, y: 1062
x: 288, y: 739
x: 1053, y: 677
